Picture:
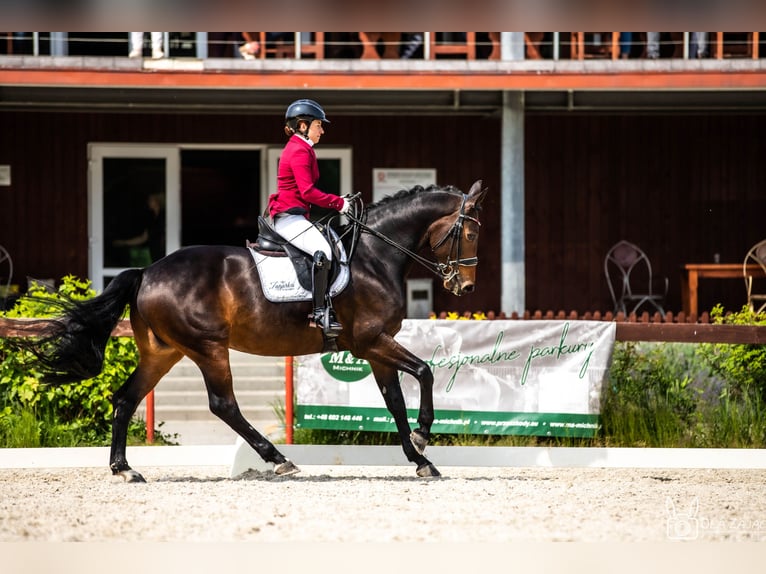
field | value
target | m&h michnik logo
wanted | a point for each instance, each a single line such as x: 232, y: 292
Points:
x: 345, y: 367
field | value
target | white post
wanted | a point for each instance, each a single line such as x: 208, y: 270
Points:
x: 59, y: 44
x: 201, y: 45
x: 511, y: 45
x: 512, y: 204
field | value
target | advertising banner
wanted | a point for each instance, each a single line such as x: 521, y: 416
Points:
x: 490, y: 377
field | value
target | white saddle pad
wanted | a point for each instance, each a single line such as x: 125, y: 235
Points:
x: 280, y: 282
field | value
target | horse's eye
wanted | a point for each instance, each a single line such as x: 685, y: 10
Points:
x: 470, y: 236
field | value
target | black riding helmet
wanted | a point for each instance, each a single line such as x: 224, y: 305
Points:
x: 305, y: 109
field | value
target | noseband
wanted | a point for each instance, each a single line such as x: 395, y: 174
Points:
x: 445, y: 271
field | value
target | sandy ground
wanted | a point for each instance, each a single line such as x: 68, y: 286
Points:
x: 384, y: 504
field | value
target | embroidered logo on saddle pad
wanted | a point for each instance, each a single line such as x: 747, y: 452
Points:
x: 280, y: 281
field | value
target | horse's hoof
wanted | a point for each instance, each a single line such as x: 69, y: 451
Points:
x: 418, y: 441
x: 131, y: 475
x: 428, y: 470
x: 286, y: 468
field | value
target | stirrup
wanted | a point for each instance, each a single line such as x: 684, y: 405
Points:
x: 323, y: 318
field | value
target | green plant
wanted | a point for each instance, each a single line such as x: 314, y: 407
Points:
x: 66, y: 415
x: 19, y: 429
x: 649, y: 398
x: 742, y: 366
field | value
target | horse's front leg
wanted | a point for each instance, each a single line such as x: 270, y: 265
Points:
x: 386, y: 359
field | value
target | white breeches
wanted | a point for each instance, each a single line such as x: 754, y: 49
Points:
x: 301, y: 232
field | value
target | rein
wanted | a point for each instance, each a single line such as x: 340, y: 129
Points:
x: 445, y: 271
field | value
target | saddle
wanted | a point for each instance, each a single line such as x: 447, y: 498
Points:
x: 270, y: 244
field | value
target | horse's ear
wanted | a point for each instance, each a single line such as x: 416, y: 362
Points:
x: 476, y: 194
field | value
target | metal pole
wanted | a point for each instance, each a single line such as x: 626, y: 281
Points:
x: 512, y: 203
x: 289, y: 400
x: 150, y: 417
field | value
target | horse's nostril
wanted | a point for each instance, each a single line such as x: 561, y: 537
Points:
x: 468, y: 288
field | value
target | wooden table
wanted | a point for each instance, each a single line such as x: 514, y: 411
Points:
x: 694, y: 271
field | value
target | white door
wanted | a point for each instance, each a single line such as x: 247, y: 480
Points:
x: 133, y: 207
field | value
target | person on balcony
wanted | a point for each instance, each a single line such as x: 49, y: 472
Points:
x: 697, y: 45
x: 137, y: 45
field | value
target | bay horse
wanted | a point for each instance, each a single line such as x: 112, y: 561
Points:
x: 202, y: 301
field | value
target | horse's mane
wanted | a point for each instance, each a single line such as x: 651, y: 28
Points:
x: 403, y: 193
x: 344, y: 231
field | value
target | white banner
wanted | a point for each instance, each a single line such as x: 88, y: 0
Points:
x: 490, y: 377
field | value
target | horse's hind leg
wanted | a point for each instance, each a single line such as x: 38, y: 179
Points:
x: 152, y: 365
x: 223, y: 404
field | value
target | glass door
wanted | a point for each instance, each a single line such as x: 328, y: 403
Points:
x: 134, y: 207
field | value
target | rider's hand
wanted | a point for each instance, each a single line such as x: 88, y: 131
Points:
x: 346, y: 205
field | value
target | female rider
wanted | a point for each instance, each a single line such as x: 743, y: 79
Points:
x: 297, y: 175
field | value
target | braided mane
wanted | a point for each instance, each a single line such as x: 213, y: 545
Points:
x: 403, y: 193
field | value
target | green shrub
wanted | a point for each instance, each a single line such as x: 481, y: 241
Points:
x: 693, y: 395
x: 650, y: 397
x: 63, y: 415
x: 742, y: 366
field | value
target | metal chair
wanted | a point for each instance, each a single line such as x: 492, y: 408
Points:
x: 757, y: 255
x: 631, y: 281
x: 6, y: 274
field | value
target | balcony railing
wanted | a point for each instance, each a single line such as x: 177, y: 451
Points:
x: 395, y: 45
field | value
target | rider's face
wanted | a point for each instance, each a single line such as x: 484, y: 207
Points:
x: 315, y: 131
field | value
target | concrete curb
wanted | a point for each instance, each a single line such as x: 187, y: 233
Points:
x: 240, y: 457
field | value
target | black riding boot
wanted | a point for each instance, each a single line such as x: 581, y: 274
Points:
x: 324, y: 316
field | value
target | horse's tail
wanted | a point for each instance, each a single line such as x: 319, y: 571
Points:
x: 71, y: 347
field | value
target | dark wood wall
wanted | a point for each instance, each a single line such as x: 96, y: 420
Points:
x: 682, y: 186
x: 43, y: 215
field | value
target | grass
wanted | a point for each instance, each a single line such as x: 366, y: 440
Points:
x: 28, y: 429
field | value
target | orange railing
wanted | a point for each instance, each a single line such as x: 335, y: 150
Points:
x: 390, y: 45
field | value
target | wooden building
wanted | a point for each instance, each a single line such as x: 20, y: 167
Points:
x: 668, y: 154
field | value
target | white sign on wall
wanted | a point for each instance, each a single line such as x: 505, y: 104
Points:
x: 387, y: 181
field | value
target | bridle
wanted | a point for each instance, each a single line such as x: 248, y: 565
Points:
x: 450, y: 269
x: 445, y: 271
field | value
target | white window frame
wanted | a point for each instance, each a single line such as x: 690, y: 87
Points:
x: 97, y: 152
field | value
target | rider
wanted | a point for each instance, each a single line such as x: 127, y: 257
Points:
x: 297, y: 175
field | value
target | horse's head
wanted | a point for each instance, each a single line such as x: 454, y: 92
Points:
x: 454, y: 240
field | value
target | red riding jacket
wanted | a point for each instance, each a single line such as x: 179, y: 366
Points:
x: 296, y: 181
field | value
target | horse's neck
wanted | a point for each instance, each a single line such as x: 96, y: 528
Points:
x: 408, y: 223
x: 405, y: 223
